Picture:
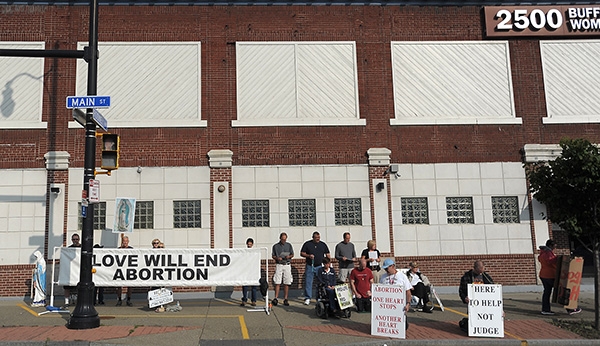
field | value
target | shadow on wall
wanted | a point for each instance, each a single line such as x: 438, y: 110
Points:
x: 8, y: 104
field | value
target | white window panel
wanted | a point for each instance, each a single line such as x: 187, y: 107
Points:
x: 466, y: 82
x: 571, y: 81
x: 21, y: 88
x: 297, y: 84
x: 151, y: 84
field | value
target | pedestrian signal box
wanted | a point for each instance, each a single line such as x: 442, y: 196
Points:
x: 110, y: 151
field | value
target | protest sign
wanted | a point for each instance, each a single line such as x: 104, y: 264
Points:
x: 388, y: 316
x: 344, y: 296
x: 167, y: 267
x: 485, y: 310
x: 159, y: 297
x: 569, y: 283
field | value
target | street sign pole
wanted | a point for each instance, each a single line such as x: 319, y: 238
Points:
x: 85, y: 315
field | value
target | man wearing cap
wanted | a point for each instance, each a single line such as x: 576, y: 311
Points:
x: 393, y: 277
x: 314, y: 251
x: 421, y: 287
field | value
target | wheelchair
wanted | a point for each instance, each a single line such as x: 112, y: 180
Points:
x: 322, y: 308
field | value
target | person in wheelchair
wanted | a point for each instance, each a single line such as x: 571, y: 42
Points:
x: 421, y: 287
x: 326, y: 286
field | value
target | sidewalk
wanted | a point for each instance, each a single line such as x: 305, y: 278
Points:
x: 221, y: 321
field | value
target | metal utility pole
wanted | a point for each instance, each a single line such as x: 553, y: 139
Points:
x: 85, y: 316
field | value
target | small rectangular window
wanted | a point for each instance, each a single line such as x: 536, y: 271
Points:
x: 348, y: 212
x: 505, y: 209
x: 144, y: 215
x: 459, y: 210
x: 186, y: 214
x: 302, y: 212
x: 415, y: 210
x: 99, y: 216
x: 255, y: 213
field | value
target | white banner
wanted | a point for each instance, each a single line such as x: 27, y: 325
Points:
x: 165, y: 267
x: 485, y: 310
x: 388, y: 316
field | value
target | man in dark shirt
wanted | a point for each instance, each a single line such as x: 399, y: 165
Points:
x: 282, y: 253
x: 314, y: 251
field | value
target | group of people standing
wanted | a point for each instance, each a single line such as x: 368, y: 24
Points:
x: 369, y: 270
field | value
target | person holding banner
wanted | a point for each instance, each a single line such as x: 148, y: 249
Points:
x: 75, y: 240
x: 249, y: 244
x: 314, y: 251
x: 477, y: 275
x: 124, y: 245
x: 548, y: 273
x: 282, y: 253
x: 394, y: 277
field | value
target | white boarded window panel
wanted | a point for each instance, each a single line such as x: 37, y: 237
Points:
x: 21, y: 88
x: 571, y: 81
x: 266, y: 82
x: 151, y: 84
x: 296, y: 84
x: 452, y: 83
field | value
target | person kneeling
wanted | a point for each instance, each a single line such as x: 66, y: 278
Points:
x: 361, y: 279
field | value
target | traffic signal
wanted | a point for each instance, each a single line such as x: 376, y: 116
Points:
x: 110, y: 151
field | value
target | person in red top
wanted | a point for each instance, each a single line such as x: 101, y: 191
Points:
x: 361, y: 279
x: 547, y: 273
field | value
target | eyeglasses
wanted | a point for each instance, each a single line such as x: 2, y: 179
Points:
x: 155, y: 243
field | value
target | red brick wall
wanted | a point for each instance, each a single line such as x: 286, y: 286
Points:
x: 219, y: 27
x: 16, y: 280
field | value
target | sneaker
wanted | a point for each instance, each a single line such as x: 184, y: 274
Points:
x: 243, y: 304
x: 306, y: 301
x: 286, y: 303
x: 547, y: 313
x: 274, y: 302
x: 253, y: 303
x: 101, y: 302
x: 574, y: 311
x: 128, y: 302
x: 428, y: 310
x: 119, y: 302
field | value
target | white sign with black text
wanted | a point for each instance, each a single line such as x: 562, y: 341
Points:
x: 344, y: 296
x: 159, y: 297
x: 388, y: 316
x: 164, y: 267
x: 485, y: 310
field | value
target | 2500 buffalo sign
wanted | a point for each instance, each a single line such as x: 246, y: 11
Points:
x: 164, y: 267
x: 578, y: 20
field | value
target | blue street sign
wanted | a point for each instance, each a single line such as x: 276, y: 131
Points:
x: 88, y: 102
x: 100, y: 120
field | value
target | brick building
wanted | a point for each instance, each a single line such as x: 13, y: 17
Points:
x: 407, y: 122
